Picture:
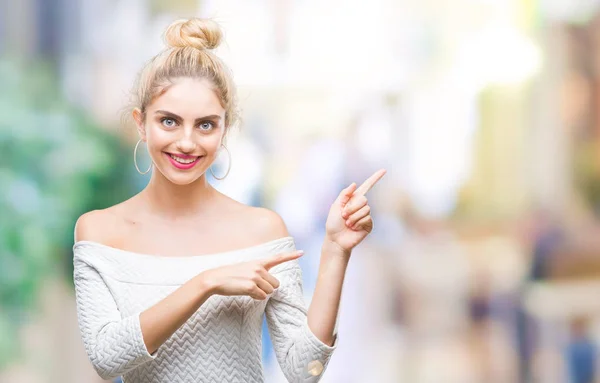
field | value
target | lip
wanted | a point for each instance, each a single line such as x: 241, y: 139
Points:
x: 184, y: 156
x: 183, y: 166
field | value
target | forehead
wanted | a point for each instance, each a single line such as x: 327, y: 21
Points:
x: 188, y: 96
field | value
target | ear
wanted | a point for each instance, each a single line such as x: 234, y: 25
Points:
x: 139, y: 122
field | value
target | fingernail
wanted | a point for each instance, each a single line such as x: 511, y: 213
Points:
x: 300, y: 252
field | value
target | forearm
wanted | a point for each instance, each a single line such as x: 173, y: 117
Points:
x: 324, y: 306
x: 160, y: 321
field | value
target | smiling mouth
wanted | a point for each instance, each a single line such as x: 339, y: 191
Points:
x: 184, y: 160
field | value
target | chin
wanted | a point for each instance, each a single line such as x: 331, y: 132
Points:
x: 181, y: 178
x: 184, y: 179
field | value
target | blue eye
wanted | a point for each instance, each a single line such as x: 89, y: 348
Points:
x: 206, y: 125
x: 168, y: 122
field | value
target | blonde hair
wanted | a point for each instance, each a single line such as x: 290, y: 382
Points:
x: 188, y: 54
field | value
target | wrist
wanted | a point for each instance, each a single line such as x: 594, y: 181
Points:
x: 332, y: 248
x: 205, y: 285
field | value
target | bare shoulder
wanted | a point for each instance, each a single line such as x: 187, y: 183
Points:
x: 260, y: 223
x: 87, y: 224
x: 98, y: 225
x: 266, y: 224
x: 250, y: 225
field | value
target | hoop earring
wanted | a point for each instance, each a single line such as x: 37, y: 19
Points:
x: 135, y: 159
x: 228, y: 168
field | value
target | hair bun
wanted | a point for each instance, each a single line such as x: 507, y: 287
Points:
x: 195, y: 32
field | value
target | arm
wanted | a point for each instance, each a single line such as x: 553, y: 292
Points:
x: 303, y: 342
x: 325, y: 303
x: 305, y: 354
x: 301, y: 355
x: 117, y: 345
x: 348, y: 223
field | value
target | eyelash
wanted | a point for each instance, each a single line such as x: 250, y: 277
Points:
x: 162, y: 121
x: 212, y: 125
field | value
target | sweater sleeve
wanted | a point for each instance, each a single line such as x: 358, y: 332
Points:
x: 113, y: 344
x: 301, y: 355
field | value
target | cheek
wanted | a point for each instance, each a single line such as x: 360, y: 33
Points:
x: 212, y: 142
x: 157, y: 136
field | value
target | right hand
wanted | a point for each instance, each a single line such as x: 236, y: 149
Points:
x: 247, y: 278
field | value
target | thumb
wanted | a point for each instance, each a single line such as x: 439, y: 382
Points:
x: 346, y: 194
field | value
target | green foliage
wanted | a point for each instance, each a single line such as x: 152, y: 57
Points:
x: 55, y: 164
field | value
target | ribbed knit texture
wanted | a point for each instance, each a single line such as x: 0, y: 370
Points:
x: 221, y: 342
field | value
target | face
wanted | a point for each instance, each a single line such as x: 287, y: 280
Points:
x: 183, y: 129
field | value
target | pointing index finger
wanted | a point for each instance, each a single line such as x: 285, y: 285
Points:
x: 281, y: 258
x: 370, y: 182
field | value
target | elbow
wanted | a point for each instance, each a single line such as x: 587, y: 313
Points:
x: 304, y: 366
x: 305, y: 372
x: 103, y: 369
x: 111, y: 359
x: 101, y: 363
x: 107, y: 375
x: 302, y: 371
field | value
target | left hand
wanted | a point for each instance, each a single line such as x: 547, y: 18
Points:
x: 349, y: 220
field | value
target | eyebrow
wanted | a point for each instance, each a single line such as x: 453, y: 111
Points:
x: 176, y: 117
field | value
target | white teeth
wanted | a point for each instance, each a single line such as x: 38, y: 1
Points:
x: 182, y: 161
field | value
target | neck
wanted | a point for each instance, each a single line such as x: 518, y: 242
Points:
x: 172, y: 201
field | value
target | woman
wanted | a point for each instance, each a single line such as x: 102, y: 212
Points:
x: 172, y: 284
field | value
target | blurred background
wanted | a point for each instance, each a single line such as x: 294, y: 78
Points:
x: 484, y: 264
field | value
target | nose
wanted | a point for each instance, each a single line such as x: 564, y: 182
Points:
x: 186, y: 142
